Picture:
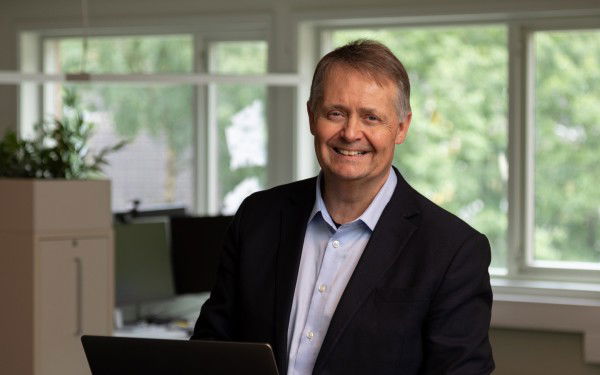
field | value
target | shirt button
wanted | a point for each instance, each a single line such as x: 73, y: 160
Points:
x: 336, y: 244
x: 322, y: 288
x: 310, y: 335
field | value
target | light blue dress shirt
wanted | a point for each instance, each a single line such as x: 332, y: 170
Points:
x: 329, y: 256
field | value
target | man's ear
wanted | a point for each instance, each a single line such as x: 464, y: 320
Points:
x: 311, y: 119
x: 403, y: 126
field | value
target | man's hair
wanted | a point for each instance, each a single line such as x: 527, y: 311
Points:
x: 367, y: 57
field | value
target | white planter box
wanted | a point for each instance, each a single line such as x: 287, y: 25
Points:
x: 56, y: 272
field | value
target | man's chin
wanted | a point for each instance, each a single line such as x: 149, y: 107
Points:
x: 347, y: 175
x: 354, y: 175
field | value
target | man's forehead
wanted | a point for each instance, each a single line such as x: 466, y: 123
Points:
x: 344, y: 71
x: 341, y: 87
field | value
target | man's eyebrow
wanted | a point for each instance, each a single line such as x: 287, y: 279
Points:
x: 368, y: 110
x: 336, y: 106
x: 344, y: 108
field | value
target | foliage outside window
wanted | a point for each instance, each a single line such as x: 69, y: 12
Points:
x: 567, y: 147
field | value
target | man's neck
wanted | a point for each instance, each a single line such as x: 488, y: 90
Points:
x: 347, y: 200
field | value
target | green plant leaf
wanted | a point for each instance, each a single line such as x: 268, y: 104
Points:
x: 59, y: 149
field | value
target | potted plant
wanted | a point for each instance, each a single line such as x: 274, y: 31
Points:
x: 54, y: 171
x: 59, y: 150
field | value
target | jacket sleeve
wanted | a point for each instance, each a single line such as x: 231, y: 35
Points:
x: 217, y: 319
x: 456, y: 330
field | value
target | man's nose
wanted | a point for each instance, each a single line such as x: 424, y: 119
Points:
x: 351, y: 131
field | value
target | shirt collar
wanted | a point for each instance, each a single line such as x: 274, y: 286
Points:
x: 371, y: 215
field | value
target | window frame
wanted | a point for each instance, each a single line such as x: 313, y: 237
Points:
x: 527, y: 265
x: 521, y: 273
x: 310, y: 38
x: 204, y: 131
x: 213, y: 201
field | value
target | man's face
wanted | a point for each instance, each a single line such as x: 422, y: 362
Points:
x: 357, y: 126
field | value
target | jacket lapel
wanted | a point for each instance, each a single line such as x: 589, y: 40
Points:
x: 294, y: 217
x: 387, y: 242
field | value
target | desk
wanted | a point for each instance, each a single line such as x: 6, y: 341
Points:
x: 154, y: 331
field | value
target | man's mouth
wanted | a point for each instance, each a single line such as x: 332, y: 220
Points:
x: 341, y: 151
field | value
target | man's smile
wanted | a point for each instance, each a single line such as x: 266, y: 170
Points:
x: 345, y: 152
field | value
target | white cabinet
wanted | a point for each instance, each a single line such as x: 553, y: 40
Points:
x: 72, y: 300
x: 56, y: 274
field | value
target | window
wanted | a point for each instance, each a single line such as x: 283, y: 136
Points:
x: 456, y: 150
x: 241, y: 122
x: 567, y: 144
x: 535, y: 197
x: 504, y: 134
x: 162, y: 163
x: 156, y: 167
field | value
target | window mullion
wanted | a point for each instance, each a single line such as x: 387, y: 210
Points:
x: 516, y: 233
x: 212, y: 136
x: 528, y: 149
x: 212, y: 151
x: 200, y: 141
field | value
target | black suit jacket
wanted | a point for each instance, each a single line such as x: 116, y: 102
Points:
x: 418, y: 302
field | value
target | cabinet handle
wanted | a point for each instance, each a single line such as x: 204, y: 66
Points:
x: 78, y: 296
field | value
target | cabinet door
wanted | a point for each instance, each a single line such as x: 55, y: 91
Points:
x: 73, y: 299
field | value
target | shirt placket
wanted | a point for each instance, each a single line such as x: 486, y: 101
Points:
x: 316, y: 327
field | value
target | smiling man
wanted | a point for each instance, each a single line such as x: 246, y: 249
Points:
x: 354, y: 272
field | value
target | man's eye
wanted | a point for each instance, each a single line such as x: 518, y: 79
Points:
x: 372, y: 118
x: 335, y: 114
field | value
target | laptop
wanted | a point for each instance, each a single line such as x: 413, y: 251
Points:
x: 126, y: 355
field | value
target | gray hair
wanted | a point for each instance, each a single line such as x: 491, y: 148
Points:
x: 365, y: 56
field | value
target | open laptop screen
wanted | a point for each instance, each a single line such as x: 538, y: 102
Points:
x: 124, y: 355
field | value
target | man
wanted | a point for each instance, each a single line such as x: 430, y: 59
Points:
x: 354, y: 272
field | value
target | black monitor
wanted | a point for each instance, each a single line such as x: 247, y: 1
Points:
x: 145, y: 212
x: 196, y: 244
x: 143, y: 267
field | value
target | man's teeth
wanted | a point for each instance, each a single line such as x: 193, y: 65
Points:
x: 349, y: 153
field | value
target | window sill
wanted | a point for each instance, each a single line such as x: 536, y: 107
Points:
x: 550, y: 306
